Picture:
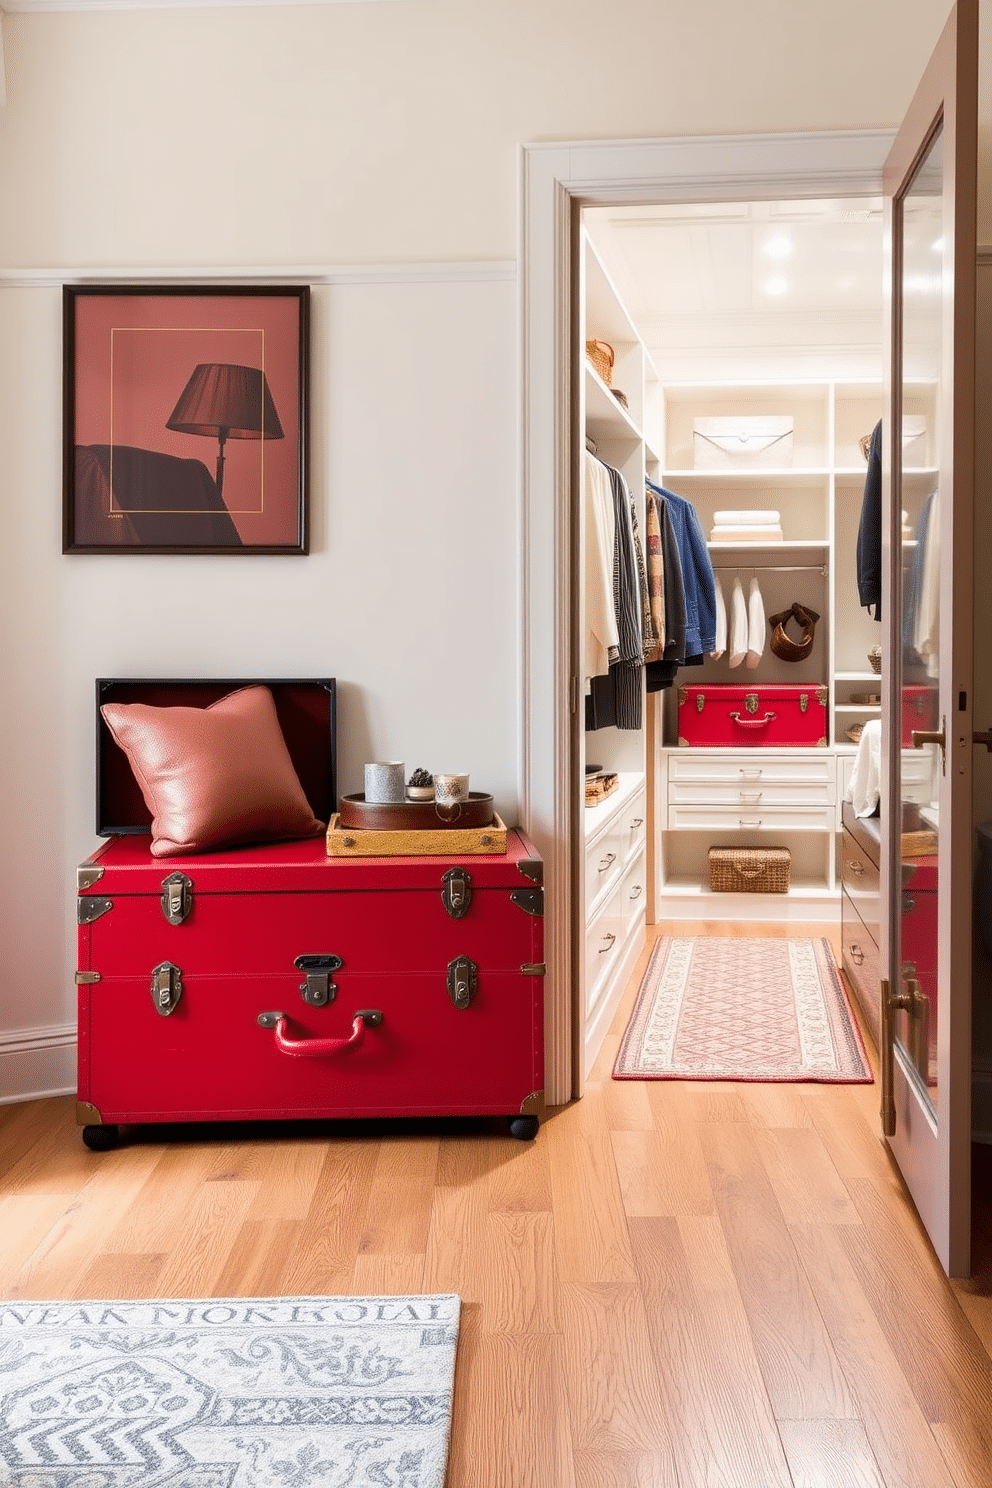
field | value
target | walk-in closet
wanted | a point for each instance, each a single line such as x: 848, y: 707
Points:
x: 730, y: 355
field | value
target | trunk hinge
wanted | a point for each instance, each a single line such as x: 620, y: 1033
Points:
x: 87, y: 874
x: 534, y: 968
x: 83, y: 978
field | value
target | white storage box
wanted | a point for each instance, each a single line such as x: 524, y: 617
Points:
x: 742, y: 441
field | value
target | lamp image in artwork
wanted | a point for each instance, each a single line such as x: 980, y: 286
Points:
x: 224, y: 401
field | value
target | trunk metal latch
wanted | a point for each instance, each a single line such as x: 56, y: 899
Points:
x: 177, y: 897
x: 463, y: 980
x: 318, y: 989
x: 456, y: 892
x: 167, y: 988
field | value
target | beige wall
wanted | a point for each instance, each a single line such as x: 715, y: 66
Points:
x: 311, y: 139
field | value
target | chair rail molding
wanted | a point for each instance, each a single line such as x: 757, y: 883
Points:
x: 556, y: 180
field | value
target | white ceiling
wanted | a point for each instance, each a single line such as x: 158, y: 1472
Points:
x: 742, y: 259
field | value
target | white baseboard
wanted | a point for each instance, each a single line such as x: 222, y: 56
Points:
x: 37, y: 1062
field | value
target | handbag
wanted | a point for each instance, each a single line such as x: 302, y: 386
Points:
x: 782, y: 644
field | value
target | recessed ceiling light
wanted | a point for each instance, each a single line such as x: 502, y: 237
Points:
x: 776, y: 286
x: 779, y: 247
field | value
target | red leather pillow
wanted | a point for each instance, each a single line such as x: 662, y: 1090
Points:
x: 213, y: 777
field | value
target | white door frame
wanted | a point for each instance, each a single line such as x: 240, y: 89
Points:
x: 556, y: 180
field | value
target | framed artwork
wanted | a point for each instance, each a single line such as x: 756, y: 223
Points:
x: 185, y: 419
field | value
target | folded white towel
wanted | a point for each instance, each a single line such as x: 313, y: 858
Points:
x: 755, y: 626
x: 721, y: 621
x: 737, y: 638
x: 865, y: 785
x: 745, y: 518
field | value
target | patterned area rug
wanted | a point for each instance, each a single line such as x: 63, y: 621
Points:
x: 292, y: 1392
x: 727, y: 1008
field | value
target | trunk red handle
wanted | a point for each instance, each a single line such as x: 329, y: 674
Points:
x: 752, y: 723
x: 318, y: 1048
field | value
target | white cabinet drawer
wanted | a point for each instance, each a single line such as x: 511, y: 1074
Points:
x: 753, y: 794
x: 633, y: 827
x: 761, y: 818
x: 633, y: 895
x: 753, y: 769
x: 604, y: 948
x: 604, y: 861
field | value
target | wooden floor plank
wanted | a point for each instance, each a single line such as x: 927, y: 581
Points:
x: 829, y: 1454
x: 804, y: 1179
x: 662, y: 1172
x: 896, y: 1428
x: 717, y: 1411
x: 592, y: 1242
x: 323, y: 1259
x: 510, y: 1426
x: 400, y: 1197
x: 615, y: 1389
x: 797, y: 1361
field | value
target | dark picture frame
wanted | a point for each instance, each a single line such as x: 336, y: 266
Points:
x: 185, y: 419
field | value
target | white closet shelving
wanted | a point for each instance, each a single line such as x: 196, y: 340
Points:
x: 768, y: 796
x: 614, y: 866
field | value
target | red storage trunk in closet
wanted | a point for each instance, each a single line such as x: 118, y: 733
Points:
x: 760, y: 716
x: 275, y: 982
x: 919, y: 710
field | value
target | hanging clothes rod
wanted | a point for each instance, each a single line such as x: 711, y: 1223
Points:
x: 820, y: 568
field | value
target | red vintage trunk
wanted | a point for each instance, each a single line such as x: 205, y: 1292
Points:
x: 172, y: 1017
x: 275, y: 982
x: 762, y: 715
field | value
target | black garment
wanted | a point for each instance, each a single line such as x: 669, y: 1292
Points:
x: 869, y: 551
x: 617, y: 699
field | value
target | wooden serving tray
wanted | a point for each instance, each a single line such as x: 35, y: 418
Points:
x: 403, y: 816
x: 416, y: 842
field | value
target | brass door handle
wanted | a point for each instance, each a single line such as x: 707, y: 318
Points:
x: 891, y: 1003
x: 920, y: 737
x: 914, y: 1002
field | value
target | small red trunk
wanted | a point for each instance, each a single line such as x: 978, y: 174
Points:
x: 741, y: 717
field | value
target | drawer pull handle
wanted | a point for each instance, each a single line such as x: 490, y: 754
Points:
x: 609, y: 939
x: 318, y: 1048
x: 742, y: 823
x: 857, y: 954
x: 636, y: 891
x: 752, y: 723
x: 750, y: 798
x: 638, y: 821
x: 607, y: 862
x: 857, y: 868
x: 750, y: 774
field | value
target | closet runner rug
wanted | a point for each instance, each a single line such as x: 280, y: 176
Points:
x: 260, y: 1392
x: 727, y: 1008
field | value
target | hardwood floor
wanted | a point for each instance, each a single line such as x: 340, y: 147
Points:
x: 675, y: 1286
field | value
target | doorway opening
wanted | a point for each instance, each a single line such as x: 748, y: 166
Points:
x: 729, y: 355
x: 559, y: 181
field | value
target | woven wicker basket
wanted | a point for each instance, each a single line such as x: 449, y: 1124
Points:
x: 750, y: 870
x: 602, y: 356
